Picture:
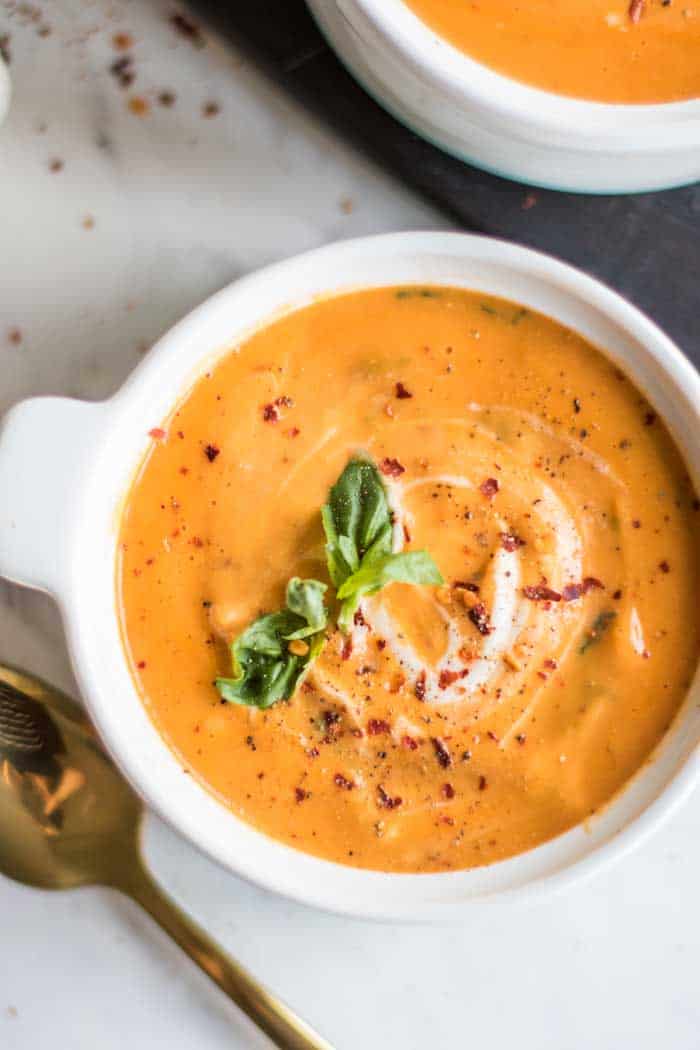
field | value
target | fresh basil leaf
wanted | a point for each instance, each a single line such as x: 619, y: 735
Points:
x: 358, y: 525
x: 355, y: 517
x: 265, y: 669
x: 305, y: 599
x: 377, y: 571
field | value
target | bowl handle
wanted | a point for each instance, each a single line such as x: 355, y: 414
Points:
x: 45, y: 444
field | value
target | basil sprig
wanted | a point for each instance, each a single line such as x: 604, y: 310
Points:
x: 271, y: 657
x: 358, y: 526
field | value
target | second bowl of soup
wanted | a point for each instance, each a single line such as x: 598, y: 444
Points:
x: 601, y: 97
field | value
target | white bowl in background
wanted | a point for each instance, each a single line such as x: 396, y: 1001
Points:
x: 500, y: 124
x: 4, y: 90
x: 65, y: 467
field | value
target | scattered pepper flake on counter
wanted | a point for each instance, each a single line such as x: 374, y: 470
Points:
x: 187, y: 29
x: 211, y: 452
x: 139, y: 106
x: 391, y: 467
x: 166, y: 99
x: 211, y: 109
x: 122, y: 41
x: 14, y: 336
x: 122, y: 69
x: 56, y: 165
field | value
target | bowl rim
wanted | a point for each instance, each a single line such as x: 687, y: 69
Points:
x: 465, y: 80
x: 196, y: 813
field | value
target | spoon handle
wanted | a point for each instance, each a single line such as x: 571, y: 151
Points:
x: 269, y: 1013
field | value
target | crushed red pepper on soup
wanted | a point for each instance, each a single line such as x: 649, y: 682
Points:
x: 631, y: 51
x: 418, y: 641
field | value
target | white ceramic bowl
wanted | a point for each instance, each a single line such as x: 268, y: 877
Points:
x: 501, y: 124
x: 4, y: 90
x: 65, y: 467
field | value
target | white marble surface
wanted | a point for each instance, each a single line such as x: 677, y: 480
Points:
x: 181, y: 205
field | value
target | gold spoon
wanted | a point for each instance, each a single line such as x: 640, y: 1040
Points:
x: 68, y: 818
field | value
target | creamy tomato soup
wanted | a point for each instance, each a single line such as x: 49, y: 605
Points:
x: 606, y: 50
x: 451, y: 725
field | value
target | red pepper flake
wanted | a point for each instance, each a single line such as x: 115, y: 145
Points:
x: 577, y: 405
x: 664, y: 566
x: 342, y: 782
x: 358, y: 619
x: 294, y: 432
x: 419, y: 687
x: 211, y: 452
x: 480, y: 618
x: 409, y: 743
x: 617, y: 595
x: 381, y: 643
x: 391, y: 467
x: 313, y: 752
x: 483, y: 783
x: 511, y: 542
x: 210, y: 109
x: 441, y: 752
x: 636, y: 523
x: 122, y: 41
x: 377, y: 726
x: 402, y: 393
x: 447, y: 791
x: 635, y: 11
x: 489, y: 487
x: 406, y: 533
x: 139, y: 106
x: 270, y: 413
x: 521, y: 738
x: 385, y: 801
x: 300, y: 794
x: 492, y: 736
x: 122, y: 69
x: 573, y: 591
x: 551, y: 664
x: 473, y: 588
x: 157, y: 433
x: 541, y: 593
x: 187, y: 29
x: 447, y: 678
x: 196, y: 541
x: 141, y: 664
x: 346, y: 651
x: 649, y: 419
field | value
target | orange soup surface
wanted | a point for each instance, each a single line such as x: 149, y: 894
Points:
x: 452, y: 725
x: 633, y: 51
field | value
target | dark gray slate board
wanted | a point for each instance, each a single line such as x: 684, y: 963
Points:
x: 647, y: 246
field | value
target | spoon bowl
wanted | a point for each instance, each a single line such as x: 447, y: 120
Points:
x: 69, y: 819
